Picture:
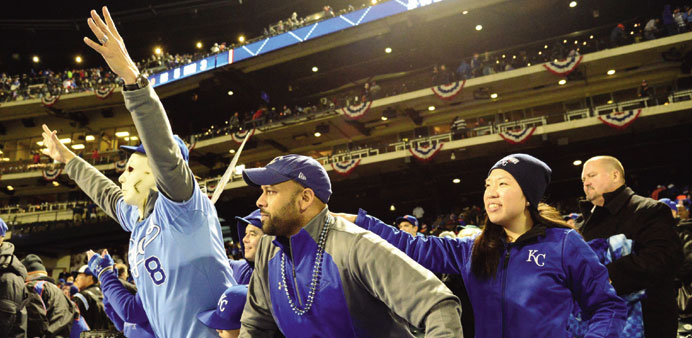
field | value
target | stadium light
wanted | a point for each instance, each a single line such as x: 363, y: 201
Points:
x: 56, y: 183
x: 65, y: 140
x: 562, y: 82
x: 388, y: 50
x: 374, y: 2
x: 392, y: 208
x: 493, y: 95
x: 78, y: 146
x: 134, y: 138
x: 230, y: 92
x: 232, y: 151
x: 611, y: 72
x: 465, y: 12
x: 315, y: 69
x: 157, y: 51
x: 573, y: 4
x: 122, y: 133
x: 479, y: 27
x: 40, y: 143
x: 199, y: 45
x: 577, y: 162
x: 384, y: 118
x: 431, y: 108
x: 318, y: 134
x: 241, y: 38
x: 456, y: 181
x: 78, y: 59
x: 89, y: 138
x: 35, y: 59
x: 9, y: 187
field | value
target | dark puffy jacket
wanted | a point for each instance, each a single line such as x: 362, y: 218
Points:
x: 538, y: 278
x: 12, y: 294
x: 651, y: 226
x: 90, y: 303
x: 51, y: 313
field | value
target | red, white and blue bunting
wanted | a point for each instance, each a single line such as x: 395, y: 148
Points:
x: 345, y: 168
x: 620, y: 120
x: 51, y: 174
x: 103, y: 92
x: 120, y: 166
x: 356, y: 111
x: 448, y: 91
x: 239, y: 136
x: 517, y: 136
x: 563, y: 67
x: 50, y: 100
x: 426, y: 153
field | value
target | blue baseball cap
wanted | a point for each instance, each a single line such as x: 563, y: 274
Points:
x: 253, y: 218
x: 407, y: 218
x: 181, y: 144
x: 304, y: 170
x: 3, y: 227
x: 229, y: 308
x: 670, y: 203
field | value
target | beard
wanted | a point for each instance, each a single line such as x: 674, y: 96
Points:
x: 283, y: 221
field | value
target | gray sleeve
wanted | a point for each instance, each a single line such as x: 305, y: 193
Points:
x: 257, y: 319
x: 173, y: 176
x: 96, y: 185
x: 382, y: 269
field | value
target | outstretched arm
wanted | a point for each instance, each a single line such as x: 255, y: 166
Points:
x: 94, y: 183
x: 173, y: 176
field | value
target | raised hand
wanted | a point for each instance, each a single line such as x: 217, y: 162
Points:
x: 99, y: 263
x: 54, y: 148
x: 111, y: 46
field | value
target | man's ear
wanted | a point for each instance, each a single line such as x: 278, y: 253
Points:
x: 306, y: 198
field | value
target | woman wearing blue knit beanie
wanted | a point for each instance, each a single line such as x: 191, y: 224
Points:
x: 527, y: 268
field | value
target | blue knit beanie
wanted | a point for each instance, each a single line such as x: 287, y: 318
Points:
x: 532, y: 174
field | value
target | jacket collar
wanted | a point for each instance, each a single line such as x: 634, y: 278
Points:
x: 299, y: 245
x: 613, y: 201
x: 538, y: 229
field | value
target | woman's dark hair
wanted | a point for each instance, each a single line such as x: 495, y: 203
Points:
x: 487, y: 248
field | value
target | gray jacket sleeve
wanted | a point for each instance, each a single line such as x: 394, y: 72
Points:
x: 383, y: 269
x: 96, y: 185
x: 173, y: 176
x: 257, y: 319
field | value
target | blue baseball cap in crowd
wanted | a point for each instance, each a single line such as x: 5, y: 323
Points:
x: 670, y: 203
x: 253, y: 218
x: 407, y: 218
x: 3, y: 227
x: 181, y: 144
x: 229, y: 308
x: 302, y: 169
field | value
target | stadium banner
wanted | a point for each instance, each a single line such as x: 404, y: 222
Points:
x: 346, y: 167
x: 49, y: 101
x: 448, y: 91
x: 425, y: 153
x: 517, y: 136
x: 620, y: 120
x: 51, y: 174
x: 103, y: 92
x: 563, y: 67
x: 356, y: 111
x: 239, y: 136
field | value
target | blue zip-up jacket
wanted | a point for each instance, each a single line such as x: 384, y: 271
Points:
x: 537, y: 279
x: 360, y: 293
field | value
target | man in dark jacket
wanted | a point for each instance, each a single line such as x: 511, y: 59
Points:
x: 612, y: 208
x: 89, y: 299
x: 51, y: 313
x: 12, y: 293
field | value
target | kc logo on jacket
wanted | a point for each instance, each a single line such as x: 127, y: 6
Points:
x: 537, y: 258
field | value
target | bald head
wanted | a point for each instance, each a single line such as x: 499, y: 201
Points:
x: 601, y: 175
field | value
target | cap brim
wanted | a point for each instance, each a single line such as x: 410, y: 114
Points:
x: 263, y: 176
x: 131, y: 149
x: 210, y: 319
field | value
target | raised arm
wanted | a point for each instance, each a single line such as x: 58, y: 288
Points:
x: 173, y: 176
x: 439, y: 255
x: 95, y: 184
x: 587, y: 278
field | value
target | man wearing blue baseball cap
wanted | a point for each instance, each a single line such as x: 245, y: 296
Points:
x: 249, y: 233
x: 160, y: 204
x: 225, y: 318
x: 13, y: 320
x: 321, y: 276
x: 407, y: 223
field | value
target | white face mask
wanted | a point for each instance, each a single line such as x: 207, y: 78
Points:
x: 137, y: 181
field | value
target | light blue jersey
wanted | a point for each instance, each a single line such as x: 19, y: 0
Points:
x: 178, y: 262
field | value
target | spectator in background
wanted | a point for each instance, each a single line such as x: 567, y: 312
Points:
x: 612, y: 208
x: 375, y: 91
x: 459, y: 128
x: 680, y: 18
x: 249, y: 232
x: 13, y: 313
x: 95, y: 156
x: 408, y: 224
x: 464, y: 71
x: 668, y: 21
x: 644, y: 91
x: 234, y: 122
x: 51, y: 313
x: 476, y: 65
x: 89, y: 300
x: 617, y: 36
x: 673, y: 207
